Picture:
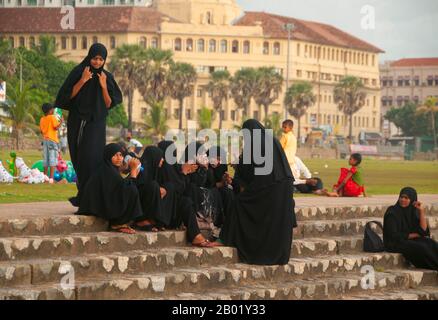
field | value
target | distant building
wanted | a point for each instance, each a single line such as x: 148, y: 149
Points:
x: 74, y: 3
x: 407, y: 80
x: 217, y: 35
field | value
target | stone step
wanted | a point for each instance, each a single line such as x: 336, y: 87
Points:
x: 50, y: 225
x: 40, y: 247
x: 309, y: 247
x: 323, y: 287
x: 319, y: 212
x: 335, y: 228
x: 109, y: 281
x: 422, y: 293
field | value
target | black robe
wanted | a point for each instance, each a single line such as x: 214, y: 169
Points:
x: 86, y: 124
x: 399, y: 222
x: 107, y: 195
x: 262, y: 217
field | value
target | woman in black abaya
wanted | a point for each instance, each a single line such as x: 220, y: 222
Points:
x: 262, y: 216
x: 107, y: 195
x: 88, y: 93
x: 405, y: 231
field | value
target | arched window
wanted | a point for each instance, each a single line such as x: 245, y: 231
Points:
x: 74, y: 43
x: 84, y: 44
x: 224, y: 46
x: 178, y: 44
x: 212, y: 45
x: 265, y: 47
x: 32, y: 42
x: 277, y: 48
x: 95, y: 40
x: 235, y: 46
x: 12, y: 41
x: 21, y: 42
x: 189, y: 45
x: 246, y: 47
x: 201, y: 45
x: 154, y: 42
x: 63, y: 43
x: 112, y: 42
x: 143, y: 42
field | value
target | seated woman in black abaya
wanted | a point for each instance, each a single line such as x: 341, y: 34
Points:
x: 107, y: 195
x: 405, y: 231
x: 161, y: 202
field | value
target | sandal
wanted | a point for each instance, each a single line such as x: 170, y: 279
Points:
x: 123, y: 229
x: 145, y: 228
x: 203, y: 244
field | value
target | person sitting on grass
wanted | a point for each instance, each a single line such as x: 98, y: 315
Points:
x: 49, y: 125
x: 350, y: 182
x: 107, y: 195
x: 304, y: 182
x: 405, y: 231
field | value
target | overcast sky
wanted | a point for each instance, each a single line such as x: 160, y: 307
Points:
x: 403, y: 28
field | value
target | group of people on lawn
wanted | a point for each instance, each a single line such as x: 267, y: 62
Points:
x: 252, y: 212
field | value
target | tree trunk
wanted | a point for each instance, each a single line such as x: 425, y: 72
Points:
x: 299, y: 130
x: 181, y: 110
x: 130, y: 98
x: 434, y: 131
x: 220, y: 116
x: 266, y: 106
x: 350, y: 131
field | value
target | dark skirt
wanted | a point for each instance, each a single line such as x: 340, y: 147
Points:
x: 86, y: 142
x: 421, y: 252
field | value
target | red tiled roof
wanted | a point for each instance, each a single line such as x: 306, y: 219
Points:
x: 305, y: 30
x: 415, y: 62
x: 102, y: 19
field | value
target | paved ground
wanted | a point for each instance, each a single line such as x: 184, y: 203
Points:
x: 64, y: 208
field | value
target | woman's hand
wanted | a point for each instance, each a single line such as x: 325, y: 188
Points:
x: 163, y: 192
x: 413, y: 236
x: 86, y: 75
x: 418, y: 205
x: 102, y: 79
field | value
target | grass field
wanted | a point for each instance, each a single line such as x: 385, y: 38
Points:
x: 381, y: 177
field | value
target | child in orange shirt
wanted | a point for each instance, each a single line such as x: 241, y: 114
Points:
x: 49, y: 125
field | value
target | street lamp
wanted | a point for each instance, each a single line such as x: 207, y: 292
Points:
x: 289, y: 27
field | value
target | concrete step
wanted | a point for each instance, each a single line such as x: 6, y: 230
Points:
x: 422, y: 293
x: 342, y: 212
x: 323, y: 287
x: 336, y: 228
x: 109, y: 281
x: 309, y: 247
x: 50, y: 225
x: 40, y: 247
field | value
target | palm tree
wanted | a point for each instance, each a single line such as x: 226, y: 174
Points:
x: 218, y: 88
x: 242, y: 88
x: 205, y: 118
x: 126, y: 64
x: 298, y: 98
x: 8, y: 63
x: 181, y: 82
x: 19, y: 108
x: 46, y: 46
x: 156, y: 121
x: 269, y: 85
x: 430, y: 107
x: 350, y: 97
x: 153, y: 79
x: 274, y: 123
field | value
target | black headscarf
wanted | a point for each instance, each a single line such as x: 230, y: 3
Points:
x: 280, y: 166
x: 151, y: 160
x: 218, y: 153
x: 192, y: 150
x: 107, y: 194
x: 89, y: 102
x: 171, y: 174
x: 399, y: 222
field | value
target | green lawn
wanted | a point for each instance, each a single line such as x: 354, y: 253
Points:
x: 381, y: 177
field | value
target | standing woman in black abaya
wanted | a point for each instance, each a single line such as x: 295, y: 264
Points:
x: 88, y: 93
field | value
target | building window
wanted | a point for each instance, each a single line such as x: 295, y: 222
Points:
x: 436, y: 80
x: 209, y: 18
x: 178, y: 44
x: 235, y: 46
x: 417, y: 81
x: 12, y: 41
x: 21, y: 42
x: 84, y: 44
x: 277, y: 49
x: 189, y: 45
x: 112, y: 42
x: 74, y: 43
x: 400, y: 82
x: 95, y: 40
x: 265, y: 47
x: 143, y: 42
x: 373, y: 60
x: 91, y: 2
x: 63, y: 43
x: 298, y: 49
x: 246, y: 47
x: 32, y: 42
x: 199, y: 93
x: 201, y: 45
x: 189, y: 114
x: 154, y: 42
x: 212, y: 45
x: 224, y: 46
x: 299, y: 73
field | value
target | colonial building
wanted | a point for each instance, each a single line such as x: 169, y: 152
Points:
x: 216, y: 35
x: 407, y: 80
